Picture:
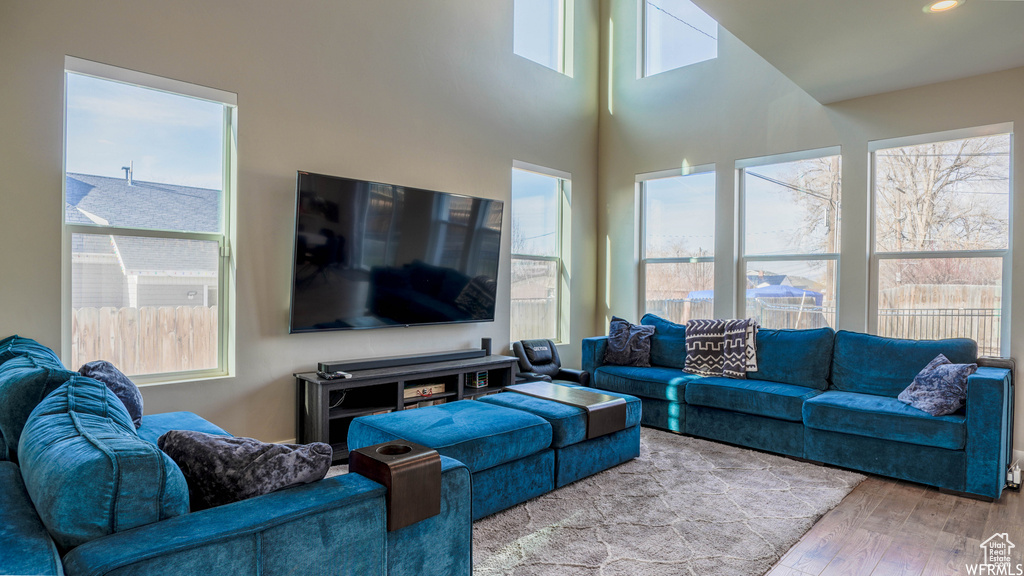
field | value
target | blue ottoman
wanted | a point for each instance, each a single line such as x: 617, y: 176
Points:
x: 575, y: 456
x: 507, y: 451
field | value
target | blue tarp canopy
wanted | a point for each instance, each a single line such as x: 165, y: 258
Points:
x: 772, y: 291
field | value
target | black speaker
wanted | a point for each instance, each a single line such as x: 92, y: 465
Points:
x: 485, y: 343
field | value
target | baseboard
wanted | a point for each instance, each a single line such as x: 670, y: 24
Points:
x: 288, y: 441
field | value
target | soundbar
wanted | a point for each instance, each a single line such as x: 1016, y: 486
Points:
x: 391, y: 362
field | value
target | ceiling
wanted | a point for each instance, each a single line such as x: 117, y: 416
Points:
x: 839, y: 50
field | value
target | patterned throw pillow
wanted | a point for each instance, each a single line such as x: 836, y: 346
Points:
x: 628, y: 344
x: 939, y: 389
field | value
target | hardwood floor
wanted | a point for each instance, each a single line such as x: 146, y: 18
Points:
x: 886, y: 527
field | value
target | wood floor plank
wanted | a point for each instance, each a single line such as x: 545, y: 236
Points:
x: 967, y: 518
x: 951, y: 554
x: 908, y: 554
x: 930, y: 514
x: 824, y: 540
x: 894, y: 509
x: 886, y: 527
x: 783, y: 570
x: 860, y: 555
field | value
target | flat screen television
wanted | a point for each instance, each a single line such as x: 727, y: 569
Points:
x: 372, y: 255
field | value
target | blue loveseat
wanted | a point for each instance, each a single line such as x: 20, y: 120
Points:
x: 828, y: 397
x: 83, y: 492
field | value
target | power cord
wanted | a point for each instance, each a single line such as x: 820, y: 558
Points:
x: 1013, y: 477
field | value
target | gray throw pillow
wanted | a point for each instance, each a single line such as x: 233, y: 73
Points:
x: 940, y: 388
x: 119, y: 384
x: 224, y: 469
x: 628, y: 344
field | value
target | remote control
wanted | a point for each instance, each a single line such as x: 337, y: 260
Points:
x: 333, y: 375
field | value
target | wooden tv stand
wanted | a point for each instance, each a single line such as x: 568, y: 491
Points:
x: 326, y: 408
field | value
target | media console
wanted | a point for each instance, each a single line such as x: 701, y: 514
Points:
x: 325, y: 408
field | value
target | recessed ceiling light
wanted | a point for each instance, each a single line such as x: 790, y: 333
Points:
x: 942, y: 5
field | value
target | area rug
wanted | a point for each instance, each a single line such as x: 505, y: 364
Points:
x: 685, y: 507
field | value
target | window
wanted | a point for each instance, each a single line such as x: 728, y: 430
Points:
x: 678, y: 243
x: 790, y: 235
x: 676, y: 33
x: 148, y: 165
x: 538, y: 195
x: 542, y: 32
x: 941, y: 238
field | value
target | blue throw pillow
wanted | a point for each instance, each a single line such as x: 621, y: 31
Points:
x: 119, y: 384
x: 940, y: 388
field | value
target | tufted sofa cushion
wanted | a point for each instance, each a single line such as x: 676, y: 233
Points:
x: 24, y: 381
x: 88, y: 472
x: 17, y: 346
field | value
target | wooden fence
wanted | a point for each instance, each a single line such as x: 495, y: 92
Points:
x: 147, y: 340
x: 983, y: 325
x: 534, y: 318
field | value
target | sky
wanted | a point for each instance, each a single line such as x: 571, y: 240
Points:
x: 171, y: 139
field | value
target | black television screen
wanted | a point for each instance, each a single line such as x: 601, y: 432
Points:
x: 370, y: 255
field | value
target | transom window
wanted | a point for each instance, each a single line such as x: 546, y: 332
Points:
x: 538, y: 285
x: 941, y: 237
x: 676, y: 33
x: 148, y: 164
x: 542, y: 32
x: 677, y: 268
x: 790, y: 234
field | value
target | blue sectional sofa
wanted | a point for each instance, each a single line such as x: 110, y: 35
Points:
x: 517, y: 447
x: 82, y: 492
x: 828, y: 397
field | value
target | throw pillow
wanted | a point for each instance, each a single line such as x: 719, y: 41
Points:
x: 224, y: 469
x: 538, y: 351
x: 940, y: 388
x: 119, y: 384
x: 628, y: 344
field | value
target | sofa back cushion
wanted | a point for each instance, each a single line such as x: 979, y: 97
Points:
x: 886, y: 366
x: 88, y: 472
x: 24, y: 381
x: 14, y: 346
x: 668, y: 344
x: 798, y: 357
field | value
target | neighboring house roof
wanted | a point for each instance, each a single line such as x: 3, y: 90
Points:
x: 148, y: 205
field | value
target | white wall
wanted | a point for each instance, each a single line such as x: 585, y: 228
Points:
x: 424, y: 94
x: 738, y: 106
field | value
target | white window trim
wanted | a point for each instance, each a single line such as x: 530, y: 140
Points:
x: 563, y: 220
x: 875, y: 257
x: 641, y: 227
x: 226, y: 239
x: 741, y: 210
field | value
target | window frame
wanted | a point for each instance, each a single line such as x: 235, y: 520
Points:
x: 875, y: 256
x: 643, y: 48
x: 741, y: 226
x: 564, y: 42
x: 562, y: 206
x: 641, y: 195
x: 225, y: 239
